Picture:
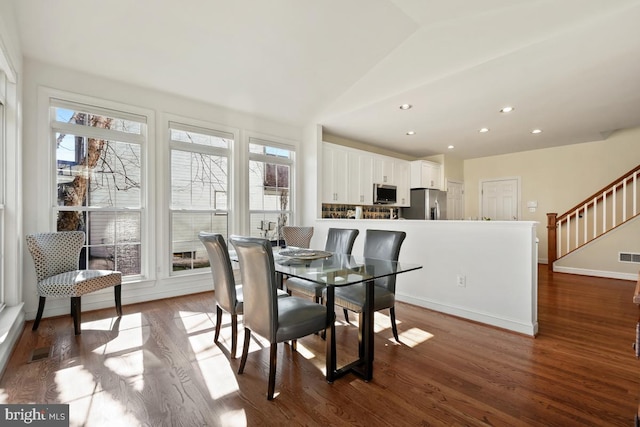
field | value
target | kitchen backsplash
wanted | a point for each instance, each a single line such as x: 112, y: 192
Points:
x: 349, y: 211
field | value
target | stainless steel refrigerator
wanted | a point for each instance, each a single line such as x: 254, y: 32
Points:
x: 426, y: 203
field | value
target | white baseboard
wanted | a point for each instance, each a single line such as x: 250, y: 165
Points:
x: 530, y: 329
x: 596, y: 273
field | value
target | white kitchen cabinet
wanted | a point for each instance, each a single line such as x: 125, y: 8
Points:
x: 334, y: 174
x: 426, y: 174
x: 360, y: 178
x: 383, y: 169
x: 402, y: 181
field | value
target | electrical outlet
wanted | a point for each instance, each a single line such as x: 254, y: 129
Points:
x: 461, y: 280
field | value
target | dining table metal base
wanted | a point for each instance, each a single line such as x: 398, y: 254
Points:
x: 363, y: 366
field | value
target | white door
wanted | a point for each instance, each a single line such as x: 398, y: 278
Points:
x: 500, y: 199
x: 455, y: 200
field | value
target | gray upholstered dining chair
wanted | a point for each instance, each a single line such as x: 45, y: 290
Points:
x: 228, y: 293
x: 299, y: 237
x: 276, y: 319
x: 339, y: 240
x: 380, y: 244
x: 56, y: 257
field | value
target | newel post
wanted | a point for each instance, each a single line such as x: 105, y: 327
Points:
x: 552, y: 246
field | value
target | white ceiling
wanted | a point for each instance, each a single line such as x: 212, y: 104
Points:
x: 569, y: 67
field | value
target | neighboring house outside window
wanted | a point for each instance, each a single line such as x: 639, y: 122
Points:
x: 99, y: 182
x: 199, y: 191
x: 271, y: 168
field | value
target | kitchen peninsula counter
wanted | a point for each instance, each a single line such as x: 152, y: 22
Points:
x: 486, y: 271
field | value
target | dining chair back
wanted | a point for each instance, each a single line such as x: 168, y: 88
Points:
x: 276, y: 319
x: 339, y: 240
x: 378, y: 244
x: 384, y: 244
x: 228, y: 294
x: 56, y: 257
x: 299, y: 237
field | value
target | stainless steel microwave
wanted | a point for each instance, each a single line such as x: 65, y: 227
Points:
x: 384, y: 194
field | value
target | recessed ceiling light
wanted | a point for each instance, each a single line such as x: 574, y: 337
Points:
x: 484, y: 130
x: 506, y: 109
x: 536, y: 131
x: 411, y: 132
x: 451, y: 147
x: 405, y: 106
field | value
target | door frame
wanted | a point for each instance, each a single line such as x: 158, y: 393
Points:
x: 518, y: 180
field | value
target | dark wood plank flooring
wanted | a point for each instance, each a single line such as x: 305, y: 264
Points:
x: 158, y: 366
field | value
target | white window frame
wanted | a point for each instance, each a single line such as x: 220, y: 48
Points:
x: 291, y: 162
x: 204, y: 128
x: 46, y: 97
x: 3, y: 168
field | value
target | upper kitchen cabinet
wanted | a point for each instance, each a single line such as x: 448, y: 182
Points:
x: 383, y: 170
x: 334, y: 174
x: 401, y: 170
x: 360, y: 177
x: 426, y: 174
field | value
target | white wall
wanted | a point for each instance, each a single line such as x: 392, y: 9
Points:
x: 38, y: 79
x: 601, y: 258
x: 497, y: 258
x: 557, y: 178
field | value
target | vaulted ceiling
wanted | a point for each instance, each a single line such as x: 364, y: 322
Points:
x: 570, y: 68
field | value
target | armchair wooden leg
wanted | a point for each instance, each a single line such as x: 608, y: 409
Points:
x: 346, y: 315
x: 273, y: 357
x: 234, y: 335
x: 117, y: 291
x: 394, y: 328
x: 245, y: 350
x: 36, y: 323
x: 218, y: 322
x: 76, y: 308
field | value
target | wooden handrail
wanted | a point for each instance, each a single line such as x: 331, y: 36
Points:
x: 606, y: 189
x: 554, y: 220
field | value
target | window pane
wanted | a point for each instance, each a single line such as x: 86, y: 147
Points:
x: 111, y: 234
x: 188, y: 252
x: 266, y: 225
x: 269, y: 151
x: 116, y: 178
x: 95, y: 172
x: 198, y: 180
x: 268, y: 186
x: 83, y: 118
x: 199, y: 138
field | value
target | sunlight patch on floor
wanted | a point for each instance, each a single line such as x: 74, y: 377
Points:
x: 125, y: 340
x: 305, y: 352
x: 195, y: 322
x: 74, y: 383
x: 131, y: 367
x: 126, y: 321
x: 100, y: 409
x: 234, y: 418
x: 220, y: 381
x: 414, y: 336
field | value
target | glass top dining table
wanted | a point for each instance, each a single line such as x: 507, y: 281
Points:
x: 344, y: 270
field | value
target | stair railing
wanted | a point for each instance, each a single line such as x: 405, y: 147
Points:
x: 596, y: 215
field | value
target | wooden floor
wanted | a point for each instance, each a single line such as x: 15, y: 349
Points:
x: 158, y: 366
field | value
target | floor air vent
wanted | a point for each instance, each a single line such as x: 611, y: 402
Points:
x: 39, y: 354
x: 629, y: 257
